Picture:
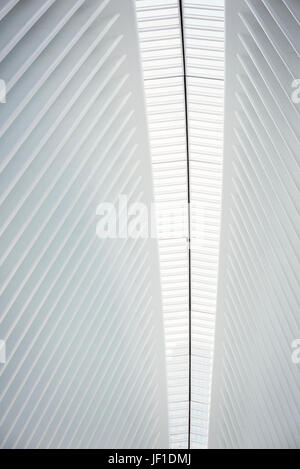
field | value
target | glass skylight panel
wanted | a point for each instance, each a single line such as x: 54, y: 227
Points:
x: 161, y: 47
x: 204, y: 38
x: 162, y: 56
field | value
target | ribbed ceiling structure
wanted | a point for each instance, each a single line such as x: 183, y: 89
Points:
x: 182, y: 47
x: 80, y: 315
x: 256, y: 384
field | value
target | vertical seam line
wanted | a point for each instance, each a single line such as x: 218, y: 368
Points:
x: 181, y: 10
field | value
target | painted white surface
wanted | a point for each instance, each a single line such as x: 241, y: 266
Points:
x: 2, y: 352
x: 256, y: 384
x: 81, y: 316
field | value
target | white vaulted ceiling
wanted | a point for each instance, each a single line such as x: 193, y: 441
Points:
x: 80, y: 316
x: 256, y: 383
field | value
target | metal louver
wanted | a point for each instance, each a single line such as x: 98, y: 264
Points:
x: 256, y: 385
x: 80, y: 316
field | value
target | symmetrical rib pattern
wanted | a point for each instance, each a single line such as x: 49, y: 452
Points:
x: 162, y: 55
x: 256, y: 385
x: 80, y: 316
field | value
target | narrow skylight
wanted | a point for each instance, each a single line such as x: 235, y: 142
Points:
x: 186, y: 280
